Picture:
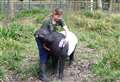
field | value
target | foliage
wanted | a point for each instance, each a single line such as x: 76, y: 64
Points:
x: 2, y: 16
x: 35, y: 13
x: 15, y: 42
x: 100, y: 31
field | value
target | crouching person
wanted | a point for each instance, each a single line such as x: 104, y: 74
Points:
x: 50, y: 24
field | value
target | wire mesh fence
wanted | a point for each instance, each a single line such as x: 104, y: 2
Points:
x: 7, y: 6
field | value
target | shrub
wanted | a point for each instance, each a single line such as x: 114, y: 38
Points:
x: 31, y: 13
x: 2, y: 16
x: 14, y: 45
x: 17, y: 31
x: 94, y: 15
x: 109, y: 66
x: 11, y: 31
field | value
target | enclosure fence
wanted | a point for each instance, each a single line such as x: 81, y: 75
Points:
x: 7, y: 6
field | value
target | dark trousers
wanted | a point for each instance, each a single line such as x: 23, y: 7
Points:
x: 42, y: 52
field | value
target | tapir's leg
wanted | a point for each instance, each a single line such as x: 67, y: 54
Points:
x: 55, y: 64
x: 61, y: 67
x: 72, y: 57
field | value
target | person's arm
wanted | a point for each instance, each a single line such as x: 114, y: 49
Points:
x: 66, y: 30
x: 64, y: 26
x: 44, y: 45
x: 62, y: 23
x: 64, y: 40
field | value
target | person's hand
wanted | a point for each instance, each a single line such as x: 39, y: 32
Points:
x: 48, y: 49
x: 63, y: 42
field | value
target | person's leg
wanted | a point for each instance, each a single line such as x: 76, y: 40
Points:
x: 43, y: 60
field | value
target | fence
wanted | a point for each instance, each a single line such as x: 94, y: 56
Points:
x: 116, y: 6
x: 6, y: 6
x: 65, y: 5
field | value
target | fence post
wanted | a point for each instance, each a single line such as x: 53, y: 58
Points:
x: 3, y: 9
x: 99, y: 4
x: 110, y: 8
x: 29, y: 5
x: 10, y: 8
x: 91, y: 3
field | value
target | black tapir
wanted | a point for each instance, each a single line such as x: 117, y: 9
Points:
x: 52, y: 41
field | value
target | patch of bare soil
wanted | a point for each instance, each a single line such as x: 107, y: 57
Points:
x: 22, y: 21
x: 79, y: 71
x: 4, y: 23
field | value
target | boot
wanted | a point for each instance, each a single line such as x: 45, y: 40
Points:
x: 42, y: 73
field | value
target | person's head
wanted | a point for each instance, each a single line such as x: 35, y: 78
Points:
x: 57, y: 14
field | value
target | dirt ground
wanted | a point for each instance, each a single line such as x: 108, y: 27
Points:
x: 79, y: 71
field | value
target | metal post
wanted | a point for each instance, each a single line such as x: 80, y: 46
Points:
x: 60, y: 4
x: 91, y: 3
x: 110, y: 8
x: 29, y: 4
x: 7, y: 8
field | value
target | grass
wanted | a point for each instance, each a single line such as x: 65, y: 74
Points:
x: 98, y: 30
x: 15, y: 42
x: 36, y: 13
x: 31, y: 70
x: 2, y: 16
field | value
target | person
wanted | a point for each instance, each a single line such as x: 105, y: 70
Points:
x: 51, y: 23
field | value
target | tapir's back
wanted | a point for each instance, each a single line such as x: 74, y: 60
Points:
x: 54, y: 46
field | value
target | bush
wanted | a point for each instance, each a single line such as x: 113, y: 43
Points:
x: 31, y: 13
x: 2, y: 16
x: 82, y: 22
x: 11, y: 31
x: 15, y: 42
x: 101, y: 32
x: 16, y: 31
x: 39, y: 18
x: 94, y: 15
x: 10, y: 59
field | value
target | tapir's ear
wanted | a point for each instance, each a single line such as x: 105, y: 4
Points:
x: 49, y: 38
x: 41, y: 36
x: 43, y: 32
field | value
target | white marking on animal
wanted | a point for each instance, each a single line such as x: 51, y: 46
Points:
x: 72, y: 41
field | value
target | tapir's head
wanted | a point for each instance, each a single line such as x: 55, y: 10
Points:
x: 45, y: 35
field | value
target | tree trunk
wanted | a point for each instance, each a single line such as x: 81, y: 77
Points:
x: 99, y: 4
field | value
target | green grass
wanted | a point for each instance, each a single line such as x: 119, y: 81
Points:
x: 99, y: 31
x: 31, y: 70
x: 2, y: 16
x: 16, y: 43
x: 109, y: 67
x: 36, y: 13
